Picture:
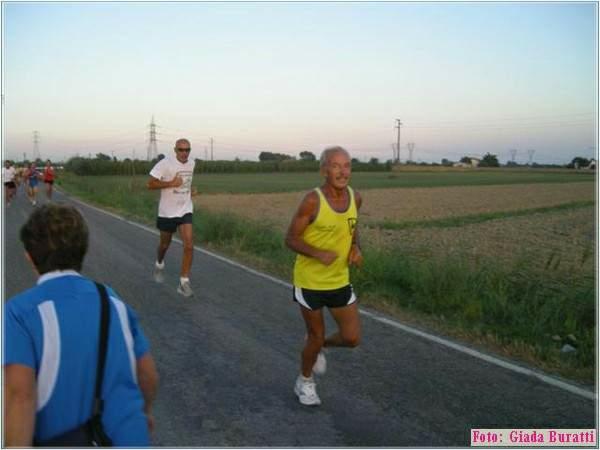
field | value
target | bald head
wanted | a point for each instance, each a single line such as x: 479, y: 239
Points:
x: 182, y: 142
x: 329, y: 152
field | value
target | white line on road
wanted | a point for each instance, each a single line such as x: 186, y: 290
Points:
x: 553, y: 381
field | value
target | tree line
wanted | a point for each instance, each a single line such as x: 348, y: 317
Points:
x: 105, y: 165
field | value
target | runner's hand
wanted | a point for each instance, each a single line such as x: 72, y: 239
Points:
x: 150, y: 419
x: 327, y: 257
x: 355, y: 257
x: 177, y: 181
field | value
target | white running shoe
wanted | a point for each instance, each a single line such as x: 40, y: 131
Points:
x: 158, y: 274
x: 185, y: 289
x: 306, y: 390
x: 320, y: 366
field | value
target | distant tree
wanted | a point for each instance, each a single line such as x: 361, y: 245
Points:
x: 374, y: 161
x: 512, y: 164
x: 578, y: 162
x: 269, y: 156
x: 160, y: 156
x: 446, y: 162
x: 102, y: 157
x: 465, y: 159
x: 307, y: 156
x: 355, y: 160
x: 489, y: 160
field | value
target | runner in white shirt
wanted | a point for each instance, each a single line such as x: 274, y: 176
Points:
x: 173, y: 176
x: 8, y: 178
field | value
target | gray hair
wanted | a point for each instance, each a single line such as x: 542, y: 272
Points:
x: 326, y: 154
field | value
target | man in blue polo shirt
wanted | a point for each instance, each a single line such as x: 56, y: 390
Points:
x: 52, y: 339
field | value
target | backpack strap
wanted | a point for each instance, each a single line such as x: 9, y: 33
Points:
x: 102, y: 348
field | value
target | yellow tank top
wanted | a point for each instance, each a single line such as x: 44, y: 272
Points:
x: 331, y: 230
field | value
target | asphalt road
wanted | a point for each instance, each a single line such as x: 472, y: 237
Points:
x: 228, y: 358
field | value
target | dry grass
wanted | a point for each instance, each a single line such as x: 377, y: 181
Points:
x: 561, y: 241
x: 400, y: 205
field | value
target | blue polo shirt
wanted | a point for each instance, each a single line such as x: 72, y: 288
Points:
x: 54, y: 329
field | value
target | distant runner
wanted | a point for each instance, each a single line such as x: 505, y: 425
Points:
x: 173, y: 176
x: 9, y: 178
x: 49, y: 179
x: 32, y: 176
x: 323, y: 233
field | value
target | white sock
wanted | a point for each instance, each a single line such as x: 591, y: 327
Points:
x: 160, y: 265
x: 305, y: 379
x: 184, y: 280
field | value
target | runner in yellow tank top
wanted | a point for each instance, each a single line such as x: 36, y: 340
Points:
x: 323, y: 233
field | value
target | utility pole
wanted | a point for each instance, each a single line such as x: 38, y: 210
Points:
x: 36, y: 147
x: 513, y: 154
x: 205, y: 153
x: 211, y: 149
x: 152, y: 150
x: 398, y: 125
x: 24, y: 156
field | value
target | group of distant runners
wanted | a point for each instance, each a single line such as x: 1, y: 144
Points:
x: 29, y: 177
x: 323, y: 233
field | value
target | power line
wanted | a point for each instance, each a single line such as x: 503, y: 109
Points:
x: 36, y: 147
x: 411, y: 147
x: 397, y: 156
x: 152, y: 152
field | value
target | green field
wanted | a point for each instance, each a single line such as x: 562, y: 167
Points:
x: 290, y: 182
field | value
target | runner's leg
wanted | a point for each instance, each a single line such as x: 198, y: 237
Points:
x: 315, y: 330
x: 348, y: 334
x: 186, y: 233
x: 163, y: 245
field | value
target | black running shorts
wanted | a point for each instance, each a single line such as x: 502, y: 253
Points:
x: 10, y: 184
x: 170, y: 224
x: 335, y: 298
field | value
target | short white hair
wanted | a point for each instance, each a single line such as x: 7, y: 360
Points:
x: 326, y: 154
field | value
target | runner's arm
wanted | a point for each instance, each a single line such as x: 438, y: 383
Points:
x: 148, y: 382
x: 306, y: 213
x: 20, y: 405
x: 155, y: 183
x: 355, y: 256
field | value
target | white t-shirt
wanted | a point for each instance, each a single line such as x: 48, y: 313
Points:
x: 174, y: 202
x: 8, y: 174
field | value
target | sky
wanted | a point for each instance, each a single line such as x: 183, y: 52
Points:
x: 465, y: 79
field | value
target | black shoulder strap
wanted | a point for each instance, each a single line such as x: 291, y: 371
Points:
x: 103, y: 346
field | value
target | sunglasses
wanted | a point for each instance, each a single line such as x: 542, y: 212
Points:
x: 183, y: 149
